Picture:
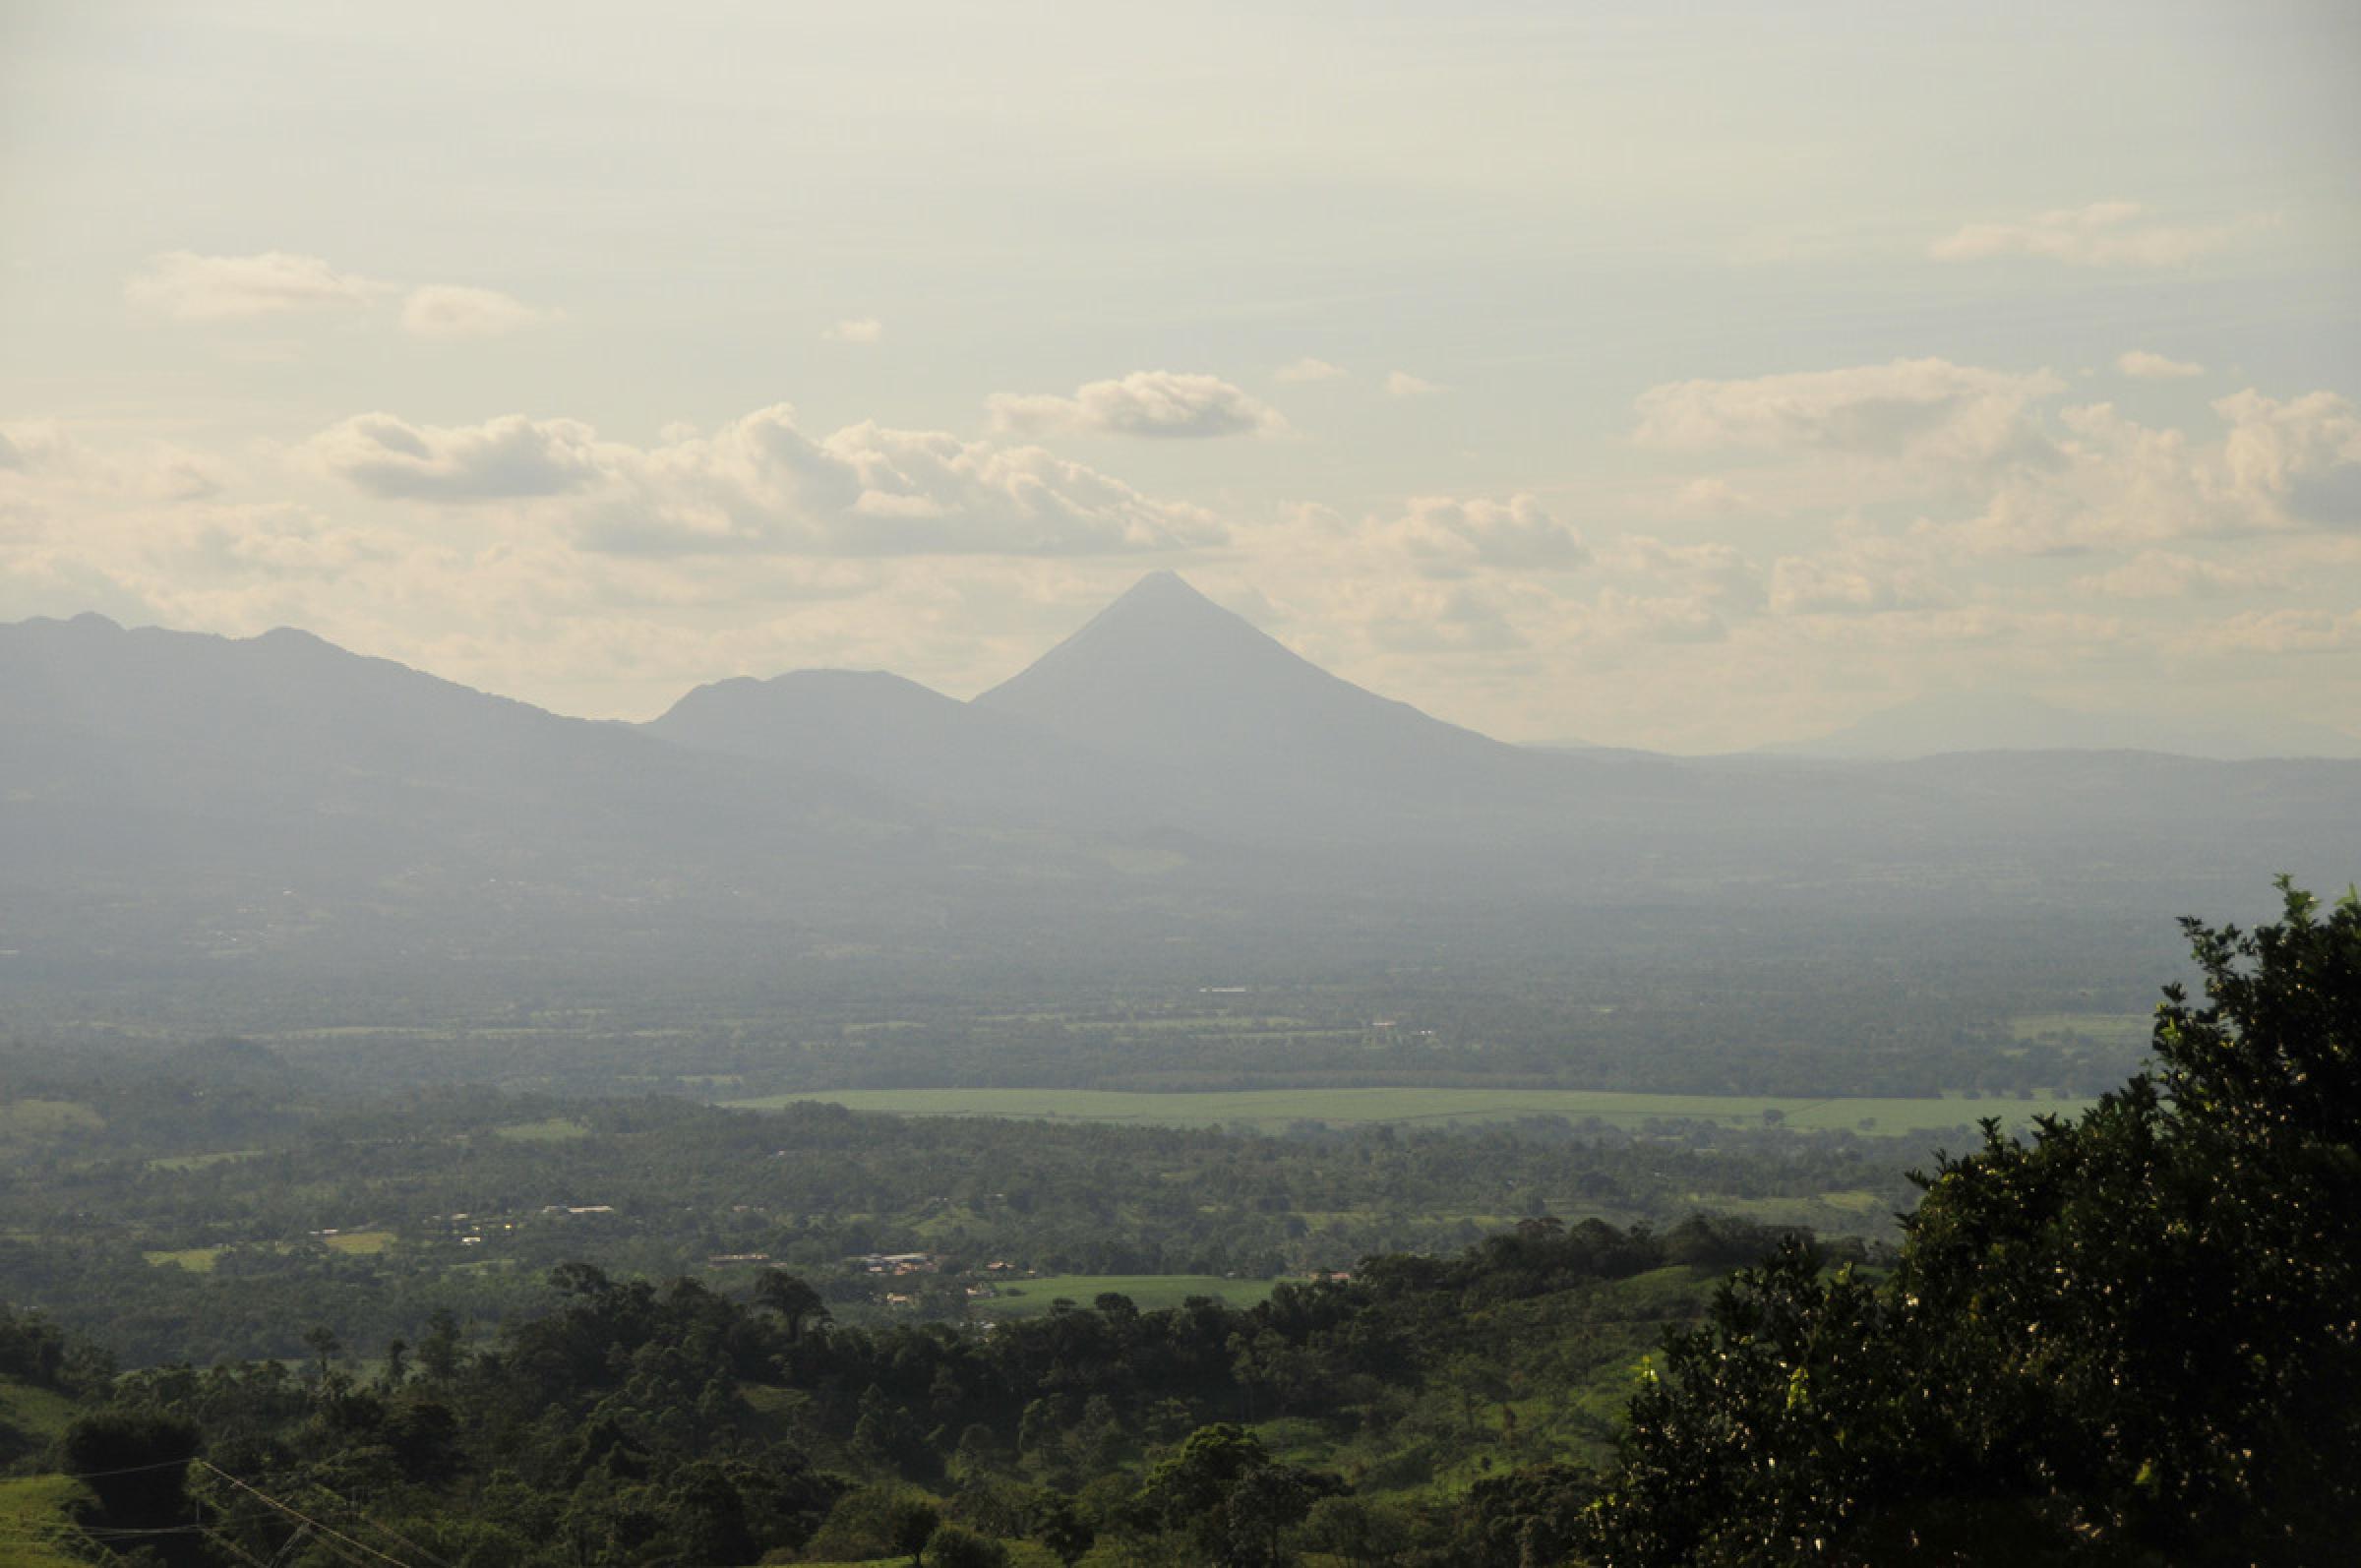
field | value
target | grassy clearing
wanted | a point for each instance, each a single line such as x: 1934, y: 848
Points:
x: 1150, y: 1292
x: 42, y: 1412
x: 359, y: 1244
x: 2113, y: 1028
x: 36, y: 1521
x: 46, y: 1120
x: 196, y: 1259
x: 198, y: 1162
x: 1829, y: 1213
x: 1272, y: 1109
x: 551, y: 1130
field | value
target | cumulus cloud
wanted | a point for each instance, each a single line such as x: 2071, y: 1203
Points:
x: 1309, y: 368
x: 1146, y: 402
x: 2145, y: 366
x: 1915, y: 409
x: 1425, y: 618
x: 1616, y: 616
x: 449, y: 312
x: 2101, y: 234
x: 762, y: 485
x: 2279, y: 466
x: 1850, y: 585
x: 41, y: 461
x: 2301, y: 456
x: 499, y: 459
x: 1447, y: 534
x: 2279, y: 634
x: 2162, y: 575
x: 856, y: 329
x: 182, y: 285
x: 1708, y: 570
x: 1713, y: 497
x: 1401, y: 384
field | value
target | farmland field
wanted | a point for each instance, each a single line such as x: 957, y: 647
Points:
x: 1272, y: 1109
x: 551, y: 1130
x: 359, y: 1244
x: 1150, y: 1292
x: 2114, y: 1028
x: 46, y: 1120
x: 36, y: 1521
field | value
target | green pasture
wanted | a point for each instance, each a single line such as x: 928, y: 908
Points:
x: 196, y: 1259
x: 359, y: 1244
x: 1150, y: 1292
x: 1272, y: 1109
x: 552, y: 1129
x: 46, y: 1120
x: 198, y: 1162
x: 42, y: 1412
x: 36, y: 1523
x: 2112, y: 1028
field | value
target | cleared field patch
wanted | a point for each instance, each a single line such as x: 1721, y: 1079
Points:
x: 1150, y: 1292
x: 550, y: 1129
x: 2113, y: 1028
x: 36, y: 1521
x: 196, y: 1259
x: 42, y: 1412
x: 359, y: 1244
x: 1272, y: 1109
x: 46, y: 1120
x: 198, y: 1162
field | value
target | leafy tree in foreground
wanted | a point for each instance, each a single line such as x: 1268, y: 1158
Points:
x: 2136, y: 1339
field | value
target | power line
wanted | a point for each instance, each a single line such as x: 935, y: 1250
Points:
x: 127, y: 1469
x: 293, y: 1512
x: 354, y: 1509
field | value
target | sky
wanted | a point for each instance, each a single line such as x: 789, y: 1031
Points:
x: 1695, y: 378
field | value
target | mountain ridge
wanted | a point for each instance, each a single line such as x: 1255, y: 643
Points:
x: 1167, y: 774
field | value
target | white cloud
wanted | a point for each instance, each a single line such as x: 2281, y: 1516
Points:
x: 450, y: 312
x: 1850, y: 585
x: 499, y: 459
x: 2300, y: 457
x: 1713, y: 497
x: 1425, y: 619
x: 2279, y: 466
x: 1401, y: 384
x: 185, y: 286
x: 1709, y: 569
x: 42, y: 461
x: 1307, y: 370
x: 856, y: 329
x: 1146, y: 402
x: 1619, y: 617
x: 1447, y: 534
x: 1912, y: 410
x: 2162, y: 575
x: 2145, y: 366
x: 759, y: 485
x: 2279, y: 634
x: 2102, y: 234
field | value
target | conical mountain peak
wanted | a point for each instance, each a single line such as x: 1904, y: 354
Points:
x: 1167, y: 599
x: 1166, y: 677
x: 1162, y: 588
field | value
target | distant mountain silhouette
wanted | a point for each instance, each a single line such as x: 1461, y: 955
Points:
x: 1166, y: 674
x: 972, y: 762
x: 1167, y: 774
x: 184, y: 764
x: 1166, y: 679
x: 1988, y: 721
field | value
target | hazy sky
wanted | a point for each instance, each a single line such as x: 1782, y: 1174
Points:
x: 1690, y: 377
